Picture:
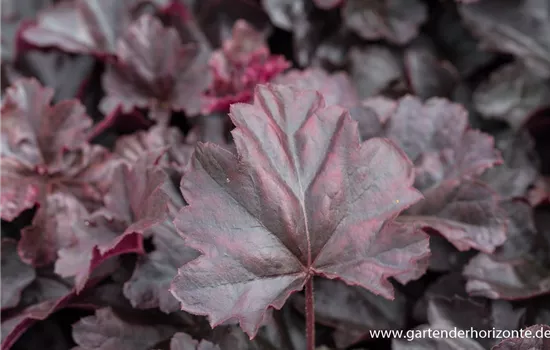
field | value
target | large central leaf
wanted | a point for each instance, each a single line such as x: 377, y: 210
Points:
x: 302, y: 197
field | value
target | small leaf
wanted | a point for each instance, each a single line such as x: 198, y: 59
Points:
x: 154, y: 70
x: 16, y: 275
x: 397, y: 21
x: 107, y: 331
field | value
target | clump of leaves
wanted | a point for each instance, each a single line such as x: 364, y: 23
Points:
x: 274, y: 174
x: 243, y: 61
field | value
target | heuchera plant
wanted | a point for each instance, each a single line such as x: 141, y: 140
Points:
x: 274, y: 174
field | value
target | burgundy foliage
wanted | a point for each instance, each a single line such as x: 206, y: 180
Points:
x: 166, y: 76
x: 274, y: 174
x: 303, y: 230
x: 243, y: 62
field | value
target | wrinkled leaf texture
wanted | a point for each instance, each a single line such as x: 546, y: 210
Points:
x: 302, y: 197
x: 46, y: 160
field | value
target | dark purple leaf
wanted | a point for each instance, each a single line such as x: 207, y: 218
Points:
x: 376, y: 69
x: 436, y: 137
x: 216, y: 18
x: 66, y: 74
x: 182, y: 341
x: 46, y: 161
x: 243, y: 62
x: 337, y: 89
x: 16, y: 275
x: 516, y: 27
x: 149, y: 286
x: 538, y: 338
x: 332, y: 52
x: 512, y: 94
x: 107, y: 331
x: 477, y: 314
x: 154, y: 70
x: 352, y: 311
x: 445, y: 257
x: 427, y: 75
x: 97, y: 238
x: 142, y: 194
x: 507, y: 280
x: 449, y: 312
x: 139, y: 199
x: 520, y: 268
x: 394, y: 20
x: 96, y: 25
x: 519, y: 170
x: 295, y: 196
x: 467, y: 215
x: 521, y: 232
x: 460, y: 46
x: 447, y: 154
x: 135, y: 146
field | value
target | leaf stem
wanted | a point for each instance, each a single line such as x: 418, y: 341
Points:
x: 310, y: 315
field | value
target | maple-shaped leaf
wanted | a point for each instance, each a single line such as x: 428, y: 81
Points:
x: 302, y: 197
x: 243, y: 62
x: 536, y: 338
x: 516, y: 27
x: 82, y: 26
x: 46, y: 161
x: 108, y: 331
x: 336, y: 88
x: 135, y: 146
x: 16, y: 275
x: 352, y: 311
x: 519, y: 269
x: 154, y: 70
x: 397, y: 21
x: 183, y: 341
x: 139, y: 198
x: 512, y: 94
x: 447, y: 155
